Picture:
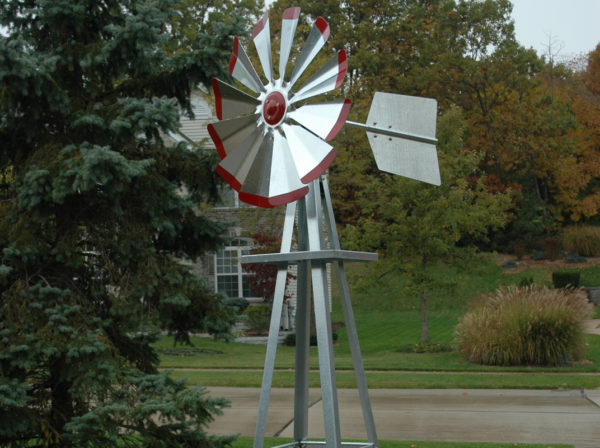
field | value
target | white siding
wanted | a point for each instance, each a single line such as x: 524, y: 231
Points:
x: 195, y: 130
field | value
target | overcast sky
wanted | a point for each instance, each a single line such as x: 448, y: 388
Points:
x: 573, y: 25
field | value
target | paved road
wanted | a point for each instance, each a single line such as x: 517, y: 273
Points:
x: 511, y: 416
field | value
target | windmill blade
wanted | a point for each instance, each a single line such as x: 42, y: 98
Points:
x: 316, y: 39
x: 326, y: 79
x: 241, y: 68
x: 272, y: 179
x: 229, y: 134
x: 311, y: 155
x: 231, y: 102
x: 400, y: 155
x: 285, y: 181
x: 255, y: 187
x: 235, y: 167
x: 288, y: 29
x: 325, y: 120
x: 261, y: 35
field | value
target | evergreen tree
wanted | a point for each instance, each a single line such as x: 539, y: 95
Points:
x: 95, y: 220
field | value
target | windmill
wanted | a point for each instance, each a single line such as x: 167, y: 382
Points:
x: 274, y: 151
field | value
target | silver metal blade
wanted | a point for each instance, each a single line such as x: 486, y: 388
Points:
x: 255, y: 187
x: 312, y: 156
x: 288, y: 29
x: 231, y: 102
x: 401, y: 156
x: 262, y: 41
x: 316, y: 39
x: 272, y: 178
x: 229, y: 134
x: 285, y: 182
x: 241, y: 68
x: 327, y: 78
x: 325, y: 119
x: 235, y: 167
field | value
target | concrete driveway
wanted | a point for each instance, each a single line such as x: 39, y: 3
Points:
x: 511, y: 416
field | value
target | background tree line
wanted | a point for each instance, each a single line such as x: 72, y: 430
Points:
x: 518, y: 133
x: 532, y: 122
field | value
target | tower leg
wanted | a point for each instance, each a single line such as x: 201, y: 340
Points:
x: 323, y: 321
x: 303, y: 313
x: 359, y: 371
x: 267, y: 381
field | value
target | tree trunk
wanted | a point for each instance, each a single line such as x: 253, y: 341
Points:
x: 424, y: 324
x: 61, y: 409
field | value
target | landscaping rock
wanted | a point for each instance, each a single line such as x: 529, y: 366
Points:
x: 510, y: 265
x: 593, y: 294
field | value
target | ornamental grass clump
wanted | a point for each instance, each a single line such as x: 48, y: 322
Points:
x: 582, y: 240
x: 531, y: 325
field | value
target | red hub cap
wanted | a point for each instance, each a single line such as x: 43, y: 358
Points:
x: 274, y: 108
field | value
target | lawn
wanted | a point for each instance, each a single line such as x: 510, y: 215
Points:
x: 388, y: 319
x: 397, y: 380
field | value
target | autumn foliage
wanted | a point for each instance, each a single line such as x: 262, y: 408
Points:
x: 262, y: 280
x: 534, y: 118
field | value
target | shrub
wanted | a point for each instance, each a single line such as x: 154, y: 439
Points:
x: 538, y: 255
x: 520, y: 249
x: 425, y: 347
x: 526, y: 281
x: 575, y: 258
x: 533, y: 325
x: 290, y: 339
x: 239, y: 304
x: 565, y: 279
x: 258, y: 319
x: 583, y: 240
x: 552, y: 247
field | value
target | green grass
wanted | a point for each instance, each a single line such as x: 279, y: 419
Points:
x: 590, y: 275
x: 398, y: 380
x: 246, y: 442
x: 387, y: 317
x: 378, y: 354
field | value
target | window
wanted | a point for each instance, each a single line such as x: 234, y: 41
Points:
x: 231, y: 278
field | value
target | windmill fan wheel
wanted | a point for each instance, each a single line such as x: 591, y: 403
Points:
x: 272, y: 144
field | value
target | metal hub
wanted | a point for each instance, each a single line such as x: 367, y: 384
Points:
x: 274, y: 108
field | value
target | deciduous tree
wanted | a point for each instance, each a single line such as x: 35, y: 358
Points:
x: 416, y: 225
